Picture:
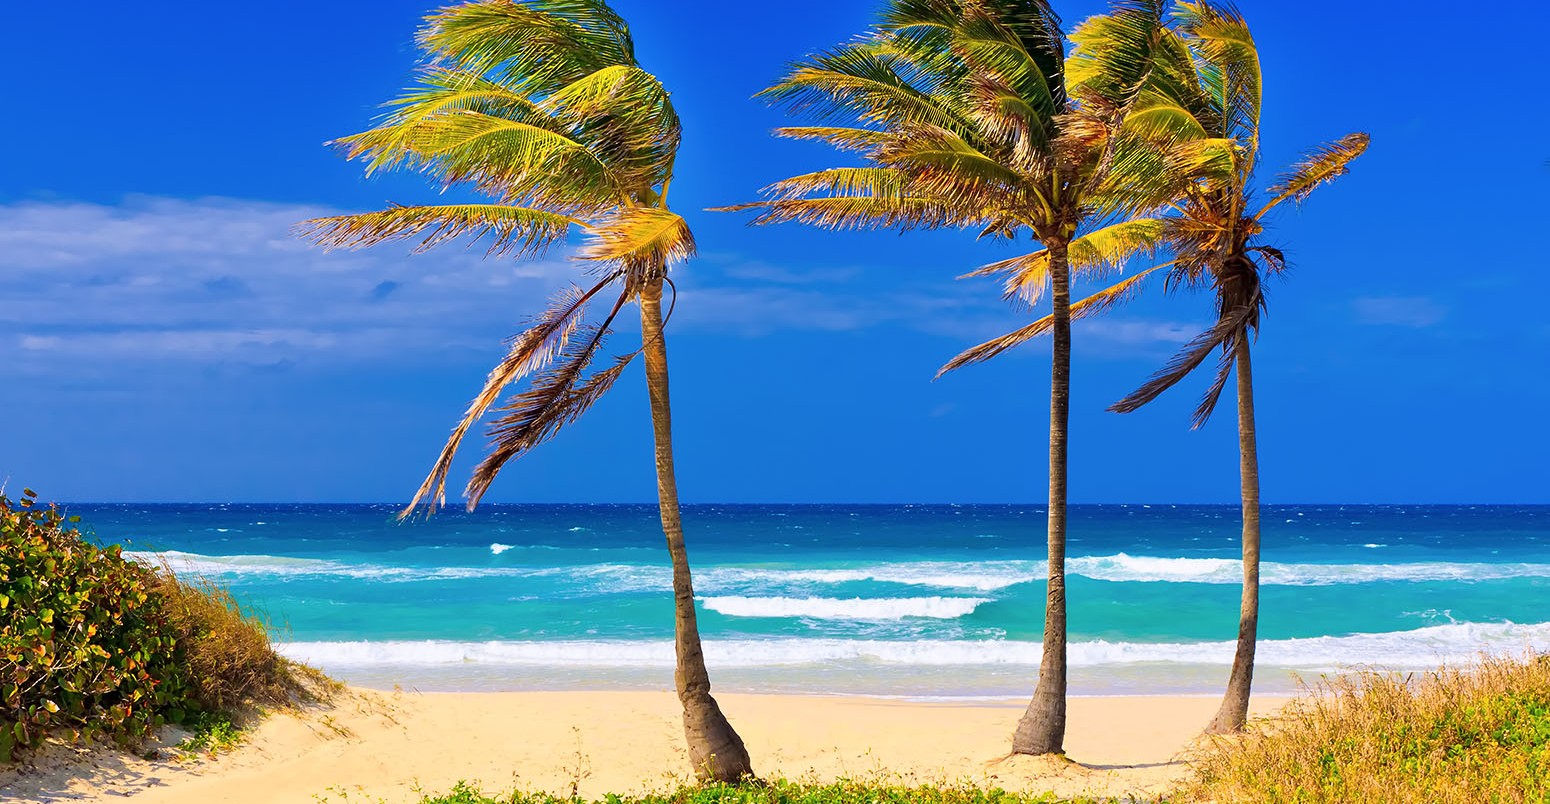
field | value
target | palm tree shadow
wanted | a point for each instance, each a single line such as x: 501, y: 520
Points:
x: 1139, y: 766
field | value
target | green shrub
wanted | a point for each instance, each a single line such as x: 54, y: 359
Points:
x: 86, y: 649
x: 96, y: 646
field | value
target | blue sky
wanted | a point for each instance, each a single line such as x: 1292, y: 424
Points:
x: 166, y: 339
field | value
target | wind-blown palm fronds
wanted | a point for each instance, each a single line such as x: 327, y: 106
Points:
x: 1206, y: 90
x: 541, y: 107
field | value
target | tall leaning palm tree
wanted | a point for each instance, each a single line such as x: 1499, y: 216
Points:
x: 541, y: 106
x: 1205, y: 86
x: 961, y: 115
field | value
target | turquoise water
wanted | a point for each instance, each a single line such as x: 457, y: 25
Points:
x: 917, y: 601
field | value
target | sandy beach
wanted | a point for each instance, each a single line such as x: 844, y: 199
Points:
x: 372, y: 746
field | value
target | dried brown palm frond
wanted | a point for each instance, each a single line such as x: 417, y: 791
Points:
x: 1323, y: 164
x: 557, y: 397
x: 511, y: 229
x: 1092, y: 305
x: 1222, y: 335
x: 530, y: 351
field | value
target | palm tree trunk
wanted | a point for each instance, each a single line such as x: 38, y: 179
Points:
x: 1235, y: 706
x: 1042, y: 729
x: 715, y: 750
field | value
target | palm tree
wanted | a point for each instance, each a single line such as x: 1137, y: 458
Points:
x: 1205, y: 85
x: 541, y: 106
x: 964, y: 116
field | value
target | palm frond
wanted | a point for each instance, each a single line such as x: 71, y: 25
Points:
x: 1227, y: 63
x: 852, y: 198
x: 867, y: 82
x: 558, y: 397
x: 1319, y: 166
x: 1228, y: 326
x: 1093, y: 305
x: 862, y: 140
x: 640, y: 236
x: 1093, y: 254
x: 530, y: 351
x: 623, y: 115
x: 512, y: 229
x: 535, y: 46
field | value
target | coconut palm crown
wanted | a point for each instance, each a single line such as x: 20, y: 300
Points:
x: 963, y: 113
x: 540, y: 107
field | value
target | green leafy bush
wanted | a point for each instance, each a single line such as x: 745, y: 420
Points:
x: 86, y: 649
x: 96, y: 646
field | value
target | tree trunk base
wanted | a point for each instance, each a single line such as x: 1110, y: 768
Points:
x: 1229, y: 720
x: 715, y: 749
x: 1042, y: 729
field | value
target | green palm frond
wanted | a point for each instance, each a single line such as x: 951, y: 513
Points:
x: 1093, y: 254
x: 536, y: 46
x: 1227, y: 63
x: 864, y: 81
x: 623, y: 115
x: 1114, y: 54
x: 640, y: 237
x: 512, y: 229
x: 1319, y: 166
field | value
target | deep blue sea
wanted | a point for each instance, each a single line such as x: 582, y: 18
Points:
x: 896, y: 600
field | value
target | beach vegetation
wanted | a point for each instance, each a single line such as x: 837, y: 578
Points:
x: 96, y: 646
x: 212, y: 733
x: 1479, y: 733
x: 1205, y: 89
x: 968, y: 115
x: 540, y: 108
x: 776, y: 792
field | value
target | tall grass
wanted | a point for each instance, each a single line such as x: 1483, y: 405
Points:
x: 1477, y: 734
x: 229, y: 661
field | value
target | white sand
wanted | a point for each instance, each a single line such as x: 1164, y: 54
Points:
x: 374, y: 746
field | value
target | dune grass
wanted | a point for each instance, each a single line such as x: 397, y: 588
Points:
x: 226, y: 652
x: 1475, y: 734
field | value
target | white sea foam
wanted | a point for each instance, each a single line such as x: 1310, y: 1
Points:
x: 982, y: 576
x: 828, y: 608
x: 1399, y: 650
x: 978, y: 576
x: 1122, y: 567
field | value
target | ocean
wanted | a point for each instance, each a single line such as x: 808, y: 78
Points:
x: 915, y: 601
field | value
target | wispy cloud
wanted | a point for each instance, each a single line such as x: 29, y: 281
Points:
x: 1400, y: 311
x: 224, y: 280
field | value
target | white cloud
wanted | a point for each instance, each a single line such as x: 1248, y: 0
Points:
x: 225, y: 280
